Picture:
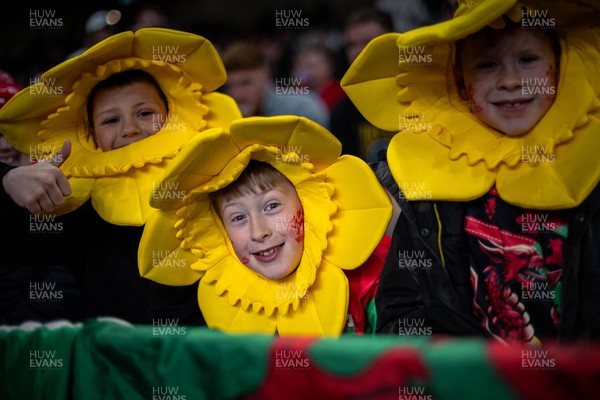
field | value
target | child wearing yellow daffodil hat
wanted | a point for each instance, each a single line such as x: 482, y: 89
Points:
x: 497, y: 111
x: 265, y: 217
x: 119, y: 113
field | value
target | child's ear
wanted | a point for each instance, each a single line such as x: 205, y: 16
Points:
x: 460, y: 84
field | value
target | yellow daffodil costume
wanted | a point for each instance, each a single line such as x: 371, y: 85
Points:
x: 42, y: 116
x: 346, y: 212
x: 445, y: 149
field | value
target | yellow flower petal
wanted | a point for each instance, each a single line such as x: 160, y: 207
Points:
x: 351, y: 242
x: 164, y: 260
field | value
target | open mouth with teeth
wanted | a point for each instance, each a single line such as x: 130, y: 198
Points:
x: 268, y: 254
x: 512, y: 104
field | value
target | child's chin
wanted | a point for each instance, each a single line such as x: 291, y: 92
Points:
x: 514, y: 133
x: 276, y: 275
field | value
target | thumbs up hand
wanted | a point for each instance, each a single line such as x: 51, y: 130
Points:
x: 42, y: 186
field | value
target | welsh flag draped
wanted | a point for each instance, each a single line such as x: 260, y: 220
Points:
x: 110, y: 359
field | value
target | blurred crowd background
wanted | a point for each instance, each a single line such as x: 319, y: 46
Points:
x: 27, y: 49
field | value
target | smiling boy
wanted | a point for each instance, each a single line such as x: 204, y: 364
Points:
x: 501, y: 248
x: 272, y: 215
x: 126, y: 107
x: 495, y: 70
x: 264, y: 220
x: 121, y: 118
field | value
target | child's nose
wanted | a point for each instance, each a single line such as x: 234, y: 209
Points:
x: 509, y: 78
x: 260, y: 229
x: 130, y: 127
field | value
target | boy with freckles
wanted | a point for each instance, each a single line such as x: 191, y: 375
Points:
x: 264, y: 220
x: 503, y: 248
x: 271, y: 220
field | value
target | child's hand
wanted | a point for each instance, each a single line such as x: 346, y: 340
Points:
x: 42, y: 186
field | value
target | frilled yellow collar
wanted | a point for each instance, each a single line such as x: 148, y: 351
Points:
x: 119, y: 182
x: 442, y: 152
x: 185, y: 240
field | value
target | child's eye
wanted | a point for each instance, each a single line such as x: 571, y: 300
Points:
x: 528, y: 59
x: 485, y: 64
x: 109, y: 121
x: 272, y: 205
x: 146, y: 113
x: 237, y: 218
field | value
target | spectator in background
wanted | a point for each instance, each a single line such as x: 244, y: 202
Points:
x: 100, y: 25
x: 150, y: 16
x: 410, y: 14
x: 8, y: 154
x: 314, y: 66
x: 358, y: 136
x: 258, y: 93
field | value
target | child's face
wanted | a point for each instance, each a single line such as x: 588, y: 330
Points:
x: 511, y: 84
x: 247, y: 87
x: 124, y: 115
x: 266, y: 230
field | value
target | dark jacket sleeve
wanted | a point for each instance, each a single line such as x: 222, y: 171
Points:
x: 580, y: 297
x: 5, y: 200
x: 27, y: 242
x: 399, y: 294
x: 418, y: 288
x: 399, y: 300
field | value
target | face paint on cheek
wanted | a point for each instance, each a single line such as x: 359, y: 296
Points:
x: 475, y: 108
x: 297, y: 226
x: 244, y: 260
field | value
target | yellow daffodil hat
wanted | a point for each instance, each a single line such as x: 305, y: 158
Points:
x: 404, y: 82
x: 42, y: 116
x: 346, y: 212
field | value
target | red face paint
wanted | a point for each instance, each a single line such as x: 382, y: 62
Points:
x: 245, y: 260
x: 475, y: 108
x: 297, y: 225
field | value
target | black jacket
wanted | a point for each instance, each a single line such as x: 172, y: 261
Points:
x: 437, y: 291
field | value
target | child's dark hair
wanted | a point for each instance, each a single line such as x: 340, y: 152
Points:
x: 257, y: 177
x: 123, y: 79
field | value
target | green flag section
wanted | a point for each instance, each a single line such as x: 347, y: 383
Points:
x: 462, y: 369
x: 111, y: 359
x: 36, y: 360
x: 166, y: 361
